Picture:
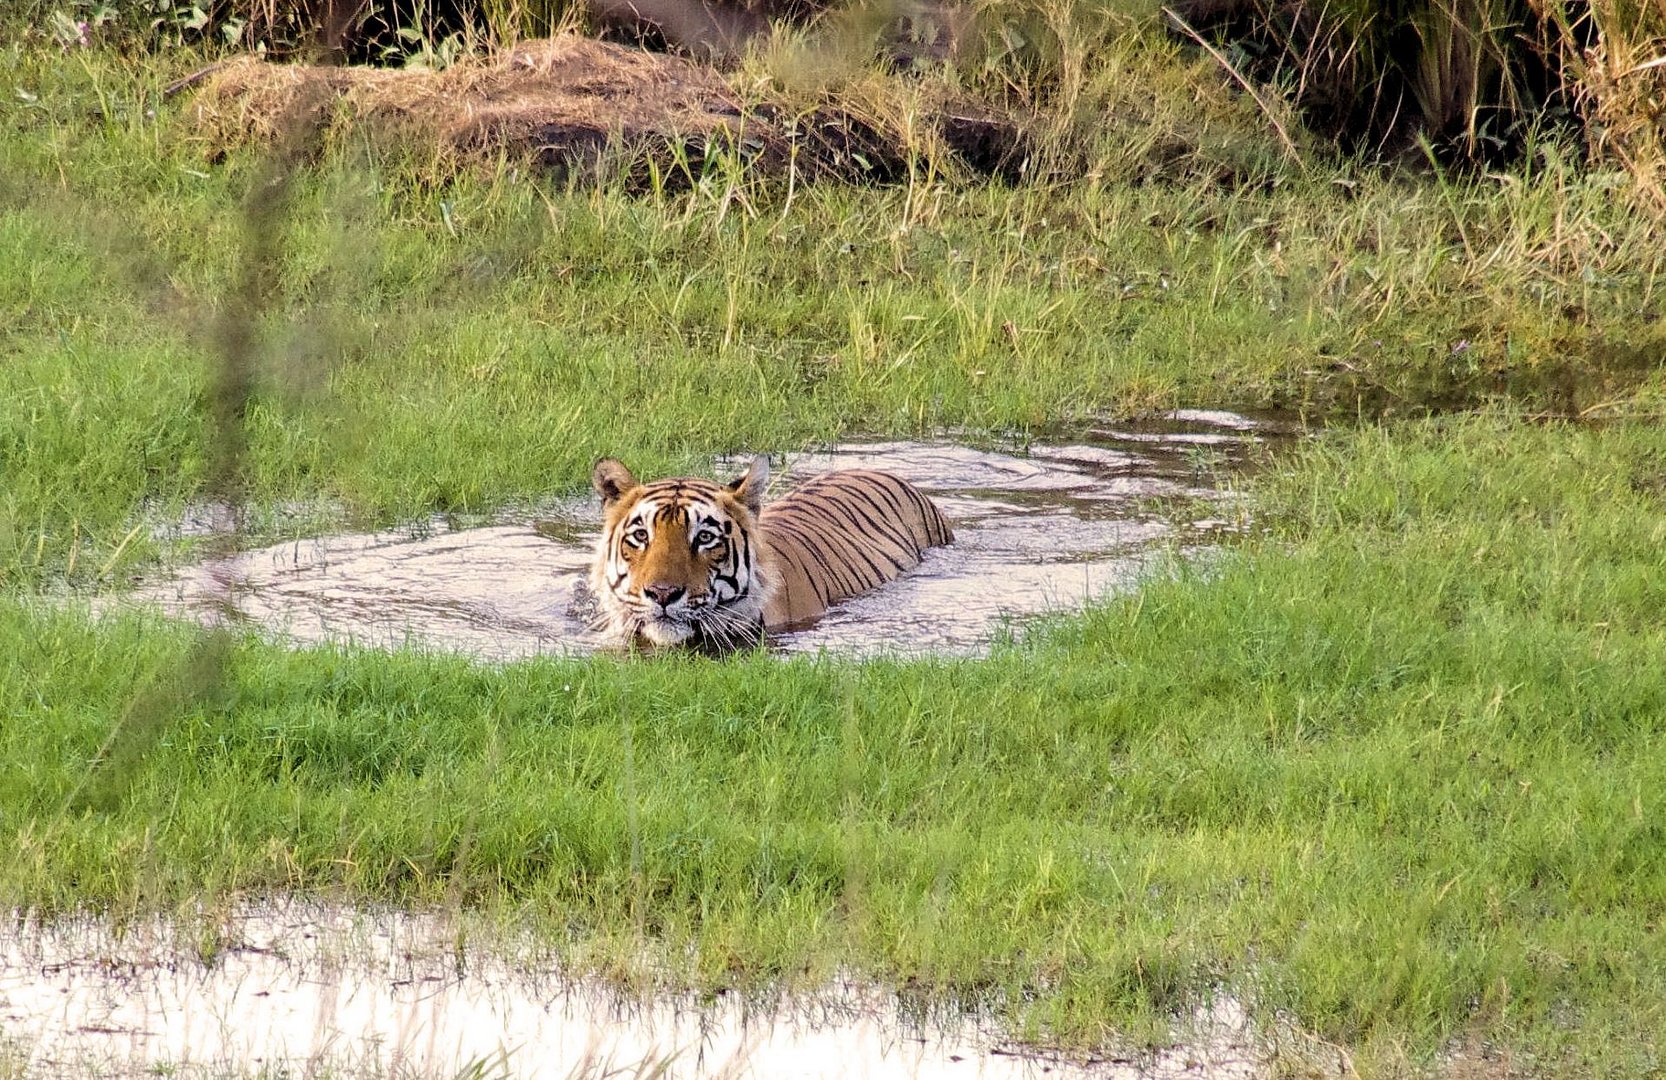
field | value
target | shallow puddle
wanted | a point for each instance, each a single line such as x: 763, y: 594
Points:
x: 1037, y: 531
x: 305, y: 989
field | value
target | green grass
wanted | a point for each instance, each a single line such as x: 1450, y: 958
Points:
x: 1392, y: 767
x: 517, y: 320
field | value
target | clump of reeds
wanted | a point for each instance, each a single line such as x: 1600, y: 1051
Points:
x: 1119, y: 102
x: 1470, y: 81
x: 1620, y: 81
x: 1469, y: 78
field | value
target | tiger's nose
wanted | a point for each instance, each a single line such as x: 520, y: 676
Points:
x: 664, y: 595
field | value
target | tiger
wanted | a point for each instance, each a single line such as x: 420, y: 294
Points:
x: 690, y: 562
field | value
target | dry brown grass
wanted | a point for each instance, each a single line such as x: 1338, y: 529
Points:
x: 568, y: 104
x: 557, y: 101
x: 1620, y: 84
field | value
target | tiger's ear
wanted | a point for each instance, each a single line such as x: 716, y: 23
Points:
x: 749, y: 489
x: 611, y: 480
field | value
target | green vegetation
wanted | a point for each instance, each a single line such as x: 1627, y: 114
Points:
x: 1393, y: 766
x: 513, y: 319
x: 1472, y: 80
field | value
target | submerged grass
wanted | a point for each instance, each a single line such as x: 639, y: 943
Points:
x: 1392, y: 767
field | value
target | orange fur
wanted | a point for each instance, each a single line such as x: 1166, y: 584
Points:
x: 689, y: 561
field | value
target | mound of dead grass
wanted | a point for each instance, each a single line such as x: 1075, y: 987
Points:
x: 571, y: 105
x: 557, y: 102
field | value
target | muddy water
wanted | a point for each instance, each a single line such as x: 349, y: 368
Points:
x: 1037, y: 530
x: 307, y: 989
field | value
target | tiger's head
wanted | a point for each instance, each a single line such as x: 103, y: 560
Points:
x: 679, y: 561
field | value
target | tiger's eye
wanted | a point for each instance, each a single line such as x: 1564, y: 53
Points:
x: 639, y: 537
x: 704, y: 537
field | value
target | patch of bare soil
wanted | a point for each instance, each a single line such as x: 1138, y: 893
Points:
x: 570, y: 106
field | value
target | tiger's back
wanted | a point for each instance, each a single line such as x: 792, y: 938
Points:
x: 840, y: 535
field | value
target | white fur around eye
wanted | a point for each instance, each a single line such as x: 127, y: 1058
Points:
x: 727, y: 610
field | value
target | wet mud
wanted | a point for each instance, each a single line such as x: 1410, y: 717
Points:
x: 307, y: 989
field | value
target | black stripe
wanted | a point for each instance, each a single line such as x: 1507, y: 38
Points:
x: 890, y: 496
x: 807, y: 550
x: 823, y: 534
x: 855, y: 553
x: 894, y: 488
x: 839, y: 573
x: 819, y: 584
x: 786, y: 593
x: 927, y: 510
x: 900, y: 535
x: 745, y: 553
x: 857, y: 518
x: 849, y: 504
x: 936, y: 525
x: 729, y: 571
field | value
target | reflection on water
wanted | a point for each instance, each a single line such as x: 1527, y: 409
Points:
x: 1036, y: 531
x: 305, y: 989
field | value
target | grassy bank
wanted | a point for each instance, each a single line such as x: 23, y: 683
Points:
x: 515, y: 320
x: 1392, y: 767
